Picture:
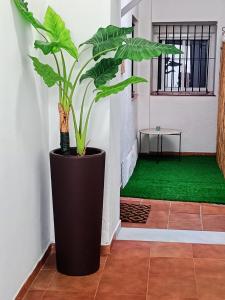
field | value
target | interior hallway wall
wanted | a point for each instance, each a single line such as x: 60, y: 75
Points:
x: 195, y: 116
x: 24, y: 172
x: 128, y: 111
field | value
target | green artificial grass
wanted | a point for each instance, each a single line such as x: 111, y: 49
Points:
x: 194, y: 179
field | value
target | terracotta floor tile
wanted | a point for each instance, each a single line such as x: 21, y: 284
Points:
x: 209, y: 268
x: 176, y: 266
x: 213, y: 209
x: 213, y: 222
x: 208, y: 251
x: 172, y: 286
x: 119, y: 297
x: 122, y: 248
x: 34, y: 295
x: 133, y: 265
x: 158, y: 205
x: 211, y: 289
x: 171, y: 250
x: 185, y: 221
x: 182, y: 207
x: 82, y: 285
x: 169, y: 298
x: 158, y: 219
x: 43, y: 280
x: 130, y: 200
x: 123, y: 284
x: 51, y: 295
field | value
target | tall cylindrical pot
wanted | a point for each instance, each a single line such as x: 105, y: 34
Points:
x: 77, y: 190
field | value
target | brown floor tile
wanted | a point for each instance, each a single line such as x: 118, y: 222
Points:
x: 131, y: 264
x: 172, y: 286
x: 185, y: 221
x: 82, y: 285
x: 130, y: 200
x: 171, y: 250
x: 213, y: 222
x: 213, y: 209
x: 158, y: 205
x: 158, y: 219
x: 34, y: 295
x: 51, y: 295
x: 43, y: 280
x: 169, y: 298
x: 182, y: 207
x: 209, y: 251
x: 211, y: 289
x: 175, y: 266
x: 122, y: 248
x: 119, y: 297
x: 123, y: 284
x: 209, y: 268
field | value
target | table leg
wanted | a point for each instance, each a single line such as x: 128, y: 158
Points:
x: 161, y: 144
x: 180, y: 148
x: 158, y: 148
x: 140, y: 143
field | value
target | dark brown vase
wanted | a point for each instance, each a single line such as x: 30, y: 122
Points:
x: 77, y: 190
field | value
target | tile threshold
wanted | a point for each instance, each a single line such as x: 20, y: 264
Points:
x: 167, y: 235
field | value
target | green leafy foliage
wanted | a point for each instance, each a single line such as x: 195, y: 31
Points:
x: 58, y: 33
x: 106, y: 91
x: 103, y: 71
x: 108, y: 38
x: 138, y: 49
x: 22, y: 7
x: 46, y: 47
x: 49, y: 76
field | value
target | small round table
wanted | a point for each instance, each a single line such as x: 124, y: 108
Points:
x: 160, y: 133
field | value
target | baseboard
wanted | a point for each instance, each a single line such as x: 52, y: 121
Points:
x: 168, y: 153
x: 33, y: 275
x: 106, y: 249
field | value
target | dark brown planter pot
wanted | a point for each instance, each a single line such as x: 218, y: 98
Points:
x: 77, y: 190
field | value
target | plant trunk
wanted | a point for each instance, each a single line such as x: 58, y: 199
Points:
x: 64, y: 130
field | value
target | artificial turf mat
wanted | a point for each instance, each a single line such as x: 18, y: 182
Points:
x: 194, y: 179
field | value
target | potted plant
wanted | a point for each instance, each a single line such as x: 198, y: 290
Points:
x: 77, y: 173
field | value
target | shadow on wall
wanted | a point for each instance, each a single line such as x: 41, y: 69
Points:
x: 31, y: 123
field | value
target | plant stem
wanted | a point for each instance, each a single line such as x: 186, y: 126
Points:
x: 84, y: 66
x: 65, y: 79
x: 82, y: 107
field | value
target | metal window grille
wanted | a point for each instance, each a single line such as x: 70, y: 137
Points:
x: 193, y: 71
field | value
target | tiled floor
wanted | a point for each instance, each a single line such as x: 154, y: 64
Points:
x: 141, y: 271
x: 181, y: 215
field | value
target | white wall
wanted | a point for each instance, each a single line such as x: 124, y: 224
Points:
x: 128, y: 109
x: 83, y: 18
x: 195, y: 116
x: 24, y: 172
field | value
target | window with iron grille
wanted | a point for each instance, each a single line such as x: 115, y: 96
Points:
x: 193, y: 71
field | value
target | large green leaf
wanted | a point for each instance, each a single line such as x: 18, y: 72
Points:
x: 105, y: 91
x: 22, y: 7
x: 59, y: 33
x: 46, y: 47
x: 49, y: 76
x: 103, y: 71
x: 108, y: 38
x: 138, y: 49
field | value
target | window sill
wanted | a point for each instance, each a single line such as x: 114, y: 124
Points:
x: 178, y: 94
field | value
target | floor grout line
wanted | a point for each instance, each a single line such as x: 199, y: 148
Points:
x: 149, y: 265
x: 201, y: 217
x: 197, y: 290
x: 100, y: 278
x: 169, y: 215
